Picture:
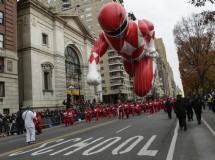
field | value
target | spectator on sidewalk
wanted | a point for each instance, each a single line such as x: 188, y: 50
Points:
x: 38, y: 125
x: 209, y: 100
x: 28, y: 117
x: 19, y: 123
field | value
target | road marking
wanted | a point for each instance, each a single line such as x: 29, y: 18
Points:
x: 116, y: 150
x: 43, y: 145
x: 59, y: 137
x: 173, y: 143
x: 145, y: 152
x: 17, y: 140
x: 123, y: 129
x: 77, y: 146
x: 212, y: 131
x: 150, y: 115
x: 100, y: 149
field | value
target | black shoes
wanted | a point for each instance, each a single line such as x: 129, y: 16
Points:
x: 31, y: 142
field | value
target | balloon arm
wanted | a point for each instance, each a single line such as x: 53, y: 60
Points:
x: 100, y: 45
x: 151, y: 51
x: 93, y: 77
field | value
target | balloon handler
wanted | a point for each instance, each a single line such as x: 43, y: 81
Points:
x: 133, y: 40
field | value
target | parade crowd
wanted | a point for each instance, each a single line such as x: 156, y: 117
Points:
x: 33, y: 122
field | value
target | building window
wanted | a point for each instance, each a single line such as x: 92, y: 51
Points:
x: 47, y: 69
x: 2, y: 89
x: 1, y: 17
x: 1, y: 40
x: 1, y: 64
x: 6, y: 111
x: 102, y: 68
x: 46, y: 80
x: 45, y: 38
x: 72, y: 61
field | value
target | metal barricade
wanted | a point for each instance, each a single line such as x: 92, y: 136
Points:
x: 45, y: 122
x: 13, y: 128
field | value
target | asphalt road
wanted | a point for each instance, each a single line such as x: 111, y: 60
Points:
x: 139, y: 137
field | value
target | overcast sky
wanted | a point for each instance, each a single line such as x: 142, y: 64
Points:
x: 164, y: 14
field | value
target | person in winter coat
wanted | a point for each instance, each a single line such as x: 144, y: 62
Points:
x: 20, y: 123
x: 189, y: 107
x: 180, y: 111
x: 28, y: 117
x: 168, y: 106
x: 197, y: 106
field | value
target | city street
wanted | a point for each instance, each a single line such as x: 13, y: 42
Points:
x: 139, y: 137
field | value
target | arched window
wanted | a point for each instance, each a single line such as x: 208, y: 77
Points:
x: 72, y: 62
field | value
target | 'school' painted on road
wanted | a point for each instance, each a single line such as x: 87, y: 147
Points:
x: 98, y: 145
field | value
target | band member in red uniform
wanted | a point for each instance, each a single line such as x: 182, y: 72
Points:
x: 158, y: 104
x: 127, y: 109
x: 132, y: 106
x: 88, y: 113
x: 163, y: 104
x: 70, y: 116
x: 155, y: 105
x: 134, y: 41
x: 138, y: 108
x: 145, y: 106
x: 65, y: 117
x: 114, y: 110
x: 151, y: 106
x: 38, y: 123
x: 97, y: 111
x: 104, y: 111
x: 108, y: 111
x: 121, y: 110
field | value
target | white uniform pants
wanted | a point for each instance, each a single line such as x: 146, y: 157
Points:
x: 30, y: 134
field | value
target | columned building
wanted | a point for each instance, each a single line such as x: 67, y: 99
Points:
x: 53, y: 56
x: 9, y: 96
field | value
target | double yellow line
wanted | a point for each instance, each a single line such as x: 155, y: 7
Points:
x: 59, y: 137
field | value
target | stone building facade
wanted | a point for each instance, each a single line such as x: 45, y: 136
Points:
x: 52, y: 51
x: 9, y: 97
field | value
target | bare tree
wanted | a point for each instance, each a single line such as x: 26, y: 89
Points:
x: 200, y: 3
x: 195, y: 41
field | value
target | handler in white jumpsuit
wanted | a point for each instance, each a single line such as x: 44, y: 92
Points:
x: 28, y: 117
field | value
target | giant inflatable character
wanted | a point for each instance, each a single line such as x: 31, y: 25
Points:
x: 134, y: 41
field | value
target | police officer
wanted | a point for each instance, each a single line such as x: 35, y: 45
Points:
x: 197, y: 106
x: 188, y: 104
x: 168, y: 106
x: 180, y: 111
